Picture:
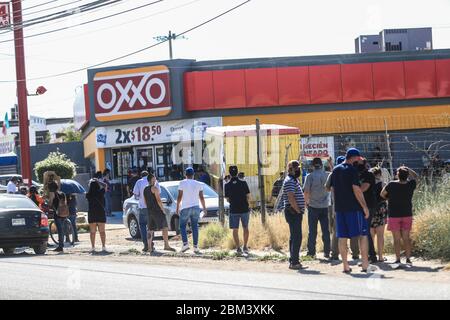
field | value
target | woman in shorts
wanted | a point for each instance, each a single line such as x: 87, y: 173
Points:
x: 379, y: 219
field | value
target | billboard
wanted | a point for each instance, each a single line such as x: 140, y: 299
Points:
x: 5, y: 15
x: 132, y: 93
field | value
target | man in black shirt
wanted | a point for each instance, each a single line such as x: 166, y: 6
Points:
x: 238, y: 195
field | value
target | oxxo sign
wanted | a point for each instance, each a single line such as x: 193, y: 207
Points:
x: 132, y: 93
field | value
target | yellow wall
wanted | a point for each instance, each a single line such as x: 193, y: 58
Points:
x: 91, y: 151
x: 366, y: 120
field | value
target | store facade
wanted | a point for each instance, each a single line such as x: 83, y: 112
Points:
x: 139, y: 115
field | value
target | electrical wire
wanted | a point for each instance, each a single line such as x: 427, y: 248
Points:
x: 87, y: 22
x: 131, y: 53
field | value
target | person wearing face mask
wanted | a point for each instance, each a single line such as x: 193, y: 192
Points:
x: 379, y: 217
x: 293, y: 202
x: 367, y: 180
x: 351, y: 208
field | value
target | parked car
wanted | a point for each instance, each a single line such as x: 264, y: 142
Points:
x: 22, y: 224
x: 5, y: 178
x: 169, y: 195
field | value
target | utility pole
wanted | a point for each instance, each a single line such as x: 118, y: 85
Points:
x: 262, y: 194
x: 25, y: 158
x: 170, y: 37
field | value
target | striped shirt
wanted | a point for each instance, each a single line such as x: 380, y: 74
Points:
x: 291, y: 184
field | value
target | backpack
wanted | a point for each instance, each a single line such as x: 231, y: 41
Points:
x: 63, y: 208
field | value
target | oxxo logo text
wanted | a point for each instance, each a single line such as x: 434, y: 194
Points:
x: 132, y: 93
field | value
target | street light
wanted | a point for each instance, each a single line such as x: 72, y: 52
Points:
x: 39, y: 91
x: 170, y: 37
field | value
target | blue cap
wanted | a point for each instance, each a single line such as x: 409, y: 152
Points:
x: 352, y: 152
x: 189, y: 171
x: 340, y: 159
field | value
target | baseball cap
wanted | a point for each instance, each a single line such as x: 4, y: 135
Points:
x: 189, y: 171
x: 340, y: 159
x: 352, y: 152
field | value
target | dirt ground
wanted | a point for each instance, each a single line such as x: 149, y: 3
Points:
x: 122, y: 248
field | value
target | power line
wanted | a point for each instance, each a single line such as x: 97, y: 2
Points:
x: 61, y: 14
x: 116, y: 25
x: 79, y: 14
x: 87, y: 22
x: 134, y: 52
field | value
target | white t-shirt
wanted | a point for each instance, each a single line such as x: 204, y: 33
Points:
x: 191, y: 189
x: 138, y: 191
x: 11, y: 187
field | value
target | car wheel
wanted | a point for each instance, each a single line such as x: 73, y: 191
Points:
x: 42, y: 249
x: 9, y: 251
x: 133, y: 227
x: 175, y: 225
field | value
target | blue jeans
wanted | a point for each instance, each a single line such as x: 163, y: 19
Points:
x: 192, y: 214
x: 73, y: 220
x: 316, y: 215
x: 295, y: 240
x: 59, y: 222
x: 108, y: 201
x: 143, y: 220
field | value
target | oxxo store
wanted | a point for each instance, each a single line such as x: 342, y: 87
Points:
x: 131, y: 115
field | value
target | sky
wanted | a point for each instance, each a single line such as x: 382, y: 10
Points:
x: 260, y: 28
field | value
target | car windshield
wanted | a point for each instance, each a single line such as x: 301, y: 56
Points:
x: 207, y: 192
x: 8, y: 203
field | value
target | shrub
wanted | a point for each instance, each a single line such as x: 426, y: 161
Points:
x: 57, y: 162
x: 212, y: 235
x: 431, y: 228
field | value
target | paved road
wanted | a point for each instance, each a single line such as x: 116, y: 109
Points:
x: 43, y: 277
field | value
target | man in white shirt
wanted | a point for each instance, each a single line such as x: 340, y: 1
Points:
x: 190, y: 193
x: 12, y: 185
x: 138, y: 192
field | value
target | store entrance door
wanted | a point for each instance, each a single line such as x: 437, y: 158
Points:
x: 145, y: 158
x: 163, y: 161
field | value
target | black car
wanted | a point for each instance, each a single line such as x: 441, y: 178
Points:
x: 22, y: 224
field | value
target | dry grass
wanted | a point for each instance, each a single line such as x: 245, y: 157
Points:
x: 275, y: 235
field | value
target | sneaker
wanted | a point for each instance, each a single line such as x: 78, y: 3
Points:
x: 355, y: 257
x: 326, y: 256
x: 145, y: 249
x: 333, y: 258
x: 185, y: 248
x: 245, y: 250
x: 373, y: 260
x: 239, y: 251
x: 408, y: 262
x: 92, y: 251
x: 196, y: 250
x: 397, y: 261
x: 59, y: 249
x: 296, y: 266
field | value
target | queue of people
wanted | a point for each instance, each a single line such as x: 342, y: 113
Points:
x: 349, y: 203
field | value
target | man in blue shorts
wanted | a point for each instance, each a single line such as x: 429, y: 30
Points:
x: 351, y: 208
x: 237, y: 193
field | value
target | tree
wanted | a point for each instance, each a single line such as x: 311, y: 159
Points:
x: 57, y: 162
x: 70, y: 134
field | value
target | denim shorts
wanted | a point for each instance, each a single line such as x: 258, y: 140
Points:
x: 236, y: 217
